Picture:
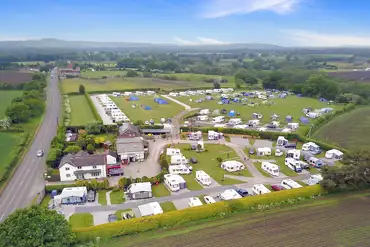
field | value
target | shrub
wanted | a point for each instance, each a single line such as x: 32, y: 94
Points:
x: 219, y: 159
x: 92, y: 107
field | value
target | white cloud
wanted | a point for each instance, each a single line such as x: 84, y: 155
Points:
x: 222, y: 8
x: 199, y: 41
x: 14, y: 38
x: 308, y: 38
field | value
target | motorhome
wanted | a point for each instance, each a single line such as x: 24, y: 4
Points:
x: 174, y: 182
x: 290, y: 145
x: 261, y: 96
x: 178, y: 160
x: 313, y: 115
x: 179, y: 169
x: 254, y: 122
x: 127, y: 93
x: 139, y: 93
x: 212, y: 135
x: 209, y: 91
x: 203, y: 178
x: 204, y: 112
x: 270, y: 168
x: 290, y: 184
x: 115, y: 94
x: 202, y: 118
x: 334, y: 154
x: 263, y: 151
x: 315, y: 162
x: 235, y: 121
x: 218, y: 119
x: 232, y: 166
x: 312, y: 147
x: 191, y: 93
x: 150, y: 92
x: 293, y: 126
x: 217, y: 90
x: 196, y: 136
x: 281, y: 141
x: 229, y: 195
x: 173, y: 151
x: 294, y: 153
x: 195, y: 202
x: 293, y: 164
x: 260, y: 189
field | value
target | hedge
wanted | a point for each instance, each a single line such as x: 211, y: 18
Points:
x: 93, y: 108
x: 219, y: 209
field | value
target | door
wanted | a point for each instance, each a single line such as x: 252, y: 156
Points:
x: 80, y: 176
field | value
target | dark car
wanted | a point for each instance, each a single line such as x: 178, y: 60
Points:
x: 242, y: 192
x: 112, y: 218
x: 277, y: 187
x: 91, y: 196
x: 251, y: 151
x: 193, y: 160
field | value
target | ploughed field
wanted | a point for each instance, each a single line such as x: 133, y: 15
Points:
x: 15, y: 77
x: 350, y: 130
x: 325, y: 222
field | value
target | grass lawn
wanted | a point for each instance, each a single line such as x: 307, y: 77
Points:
x: 7, y: 142
x: 6, y: 97
x: 258, y: 166
x: 139, y: 113
x: 168, y: 206
x: 160, y: 190
x: 98, y: 74
x: 191, y: 182
x: 208, y: 163
x: 45, y: 201
x: 227, y: 138
x: 314, y: 170
x: 79, y: 220
x: 116, y: 197
x: 119, y: 212
x: 301, y: 183
x: 81, y: 112
x: 102, y: 198
x: 198, y: 79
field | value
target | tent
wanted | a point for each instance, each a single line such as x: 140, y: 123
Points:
x: 289, y: 118
x: 236, y: 100
x: 133, y: 98
x: 324, y: 100
x: 160, y: 101
x: 147, y: 108
x: 282, y: 96
x: 209, y: 97
x: 226, y: 101
x: 304, y: 120
x: 231, y: 113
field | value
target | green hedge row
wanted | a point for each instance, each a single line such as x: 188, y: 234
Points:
x: 219, y: 209
x: 117, y: 90
x: 93, y: 108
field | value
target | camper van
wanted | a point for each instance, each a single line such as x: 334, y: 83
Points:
x: 195, y: 202
x: 203, y: 178
x: 263, y: 151
x: 290, y: 184
x: 334, y: 154
x: 260, y: 189
x: 294, y: 153
x: 315, y: 162
x: 235, y: 121
x: 270, y: 168
x: 281, y: 141
x: 293, y: 164
x: 312, y: 147
x: 179, y: 169
x: 218, y: 119
x: 178, y: 160
x: 232, y: 166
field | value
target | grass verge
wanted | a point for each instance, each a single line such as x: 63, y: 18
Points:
x: 168, y: 206
x: 160, y: 190
x: 79, y: 220
x: 117, y: 197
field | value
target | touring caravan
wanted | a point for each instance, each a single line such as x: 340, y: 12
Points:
x: 270, y: 168
x: 254, y: 122
x: 293, y: 126
x: 179, y: 169
x: 290, y: 184
x: 203, y: 178
x: 178, y: 160
x: 229, y: 195
x: 334, y: 154
x: 218, y: 119
x: 263, y: 151
x: 202, y: 118
x: 312, y: 147
x: 212, y: 135
x: 235, y: 121
x: 293, y: 164
x: 260, y: 189
x: 281, y: 141
x: 173, y: 151
x: 314, y: 179
x: 174, y: 182
x: 294, y: 153
x: 195, y: 202
x: 232, y: 166
x: 278, y: 152
x: 204, y: 112
x: 195, y: 136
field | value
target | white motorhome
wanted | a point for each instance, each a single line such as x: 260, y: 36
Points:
x: 204, y: 112
x: 229, y: 195
x: 173, y: 151
x: 209, y: 91
x: 281, y: 141
x: 217, y: 90
x: 313, y: 115
x: 254, y: 122
x: 334, y: 154
x: 260, y: 189
x: 263, y: 151
x: 202, y: 118
x: 293, y: 164
x: 212, y: 135
x: 232, y: 166
x: 270, y: 168
x: 261, y: 96
x: 195, y: 202
x: 115, y: 94
x: 235, y: 121
x: 127, y: 93
x: 218, y: 119
x: 183, y: 94
x: 293, y: 126
x: 314, y: 179
x: 290, y: 184
x: 203, y: 178
x: 139, y: 93
x: 294, y: 153
x: 179, y: 169
x: 150, y: 92
x: 178, y: 160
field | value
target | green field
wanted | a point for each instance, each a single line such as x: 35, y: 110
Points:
x: 81, y: 220
x: 139, y: 113
x: 168, y: 206
x: 98, y: 74
x: 333, y: 221
x: 7, y: 142
x: 117, y: 197
x: 81, y: 112
x: 208, y: 163
x: 6, y: 97
x: 160, y: 190
x: 350, y: 130
x: 280, y: 161
x: 199, y: 78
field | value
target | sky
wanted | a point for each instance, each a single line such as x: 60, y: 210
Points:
x: 190, y: 22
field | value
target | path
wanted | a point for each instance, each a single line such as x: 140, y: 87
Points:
x: 107, y: 195
x: 187, y: 107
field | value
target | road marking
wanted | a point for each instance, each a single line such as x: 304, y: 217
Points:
x: 11, y: 201
x: 21, y: 182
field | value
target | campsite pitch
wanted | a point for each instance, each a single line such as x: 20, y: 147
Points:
x: 81, y: 112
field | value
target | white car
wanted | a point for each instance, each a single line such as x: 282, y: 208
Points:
x: 209, y: 200
x: 40, y: 153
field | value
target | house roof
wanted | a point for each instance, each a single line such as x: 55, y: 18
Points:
x: 128, y: 126
x: 83, y: 159
x: 130, y: 147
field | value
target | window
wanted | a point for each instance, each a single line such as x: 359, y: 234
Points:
x: 79, y: 167
x: 68, y: 175
x: 67, y: 168
x: 94, y: 167
x: 95, y: 174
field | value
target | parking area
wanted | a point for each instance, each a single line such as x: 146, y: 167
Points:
x: 181, y: 203
x: 242, y: 142
x: 101, y: 217
x: 262, y: 144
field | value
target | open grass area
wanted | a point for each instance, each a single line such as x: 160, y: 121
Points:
x: 102, y: 198
x: 208, y: 163
x: 79, y: 220
x: 198, y: 79
x: 160, y: 190
x: 168, y: 206
x: 191, y: 182
x: 338, y: 221
x: 45, y: 201
x: 6, y: 97
x: 139, y: 113
x: 81, y: 112
x: 119, y: 212
x: 258, y: 166
x: 99, y: 74
x: 350, y: 130
x: 280, y: 161
x: 7, y: 142
x: 116, y: 197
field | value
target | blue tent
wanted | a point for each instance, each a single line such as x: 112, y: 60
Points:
x: 288, y: 118
x: 304, y: 120
x: 236, y: 100
x: 226, y: 101
x: 133, y: 98
x: 324, y: 100
x: 147, y: 108
x: 231, y: 113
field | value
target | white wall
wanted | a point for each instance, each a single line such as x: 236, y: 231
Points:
x: 69, y: 169
x: 139, y: 156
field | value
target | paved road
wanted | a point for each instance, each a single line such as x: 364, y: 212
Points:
x: 28, y: 179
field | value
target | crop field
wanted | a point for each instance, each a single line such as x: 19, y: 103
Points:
x: 6, y: 97
x: 324, y: 222
x: 81, y: 112
x: 190, y: 77
x: 208, y: 163
x: 99, y: 74
x: 7, y: 142
x: 350, y: 130
x: 15, y: 77
x: 139, y: 113
x: 292, y: 105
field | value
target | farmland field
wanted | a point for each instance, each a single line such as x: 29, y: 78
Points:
x: 99, y: 74
x: 81, y: 112
x: 324, y: 222
x: 7, y: 142
x: 350, y: 130
x: 139, y: 113
x: 15, y: 77
x: 199, y: 78
x: 6, y: 96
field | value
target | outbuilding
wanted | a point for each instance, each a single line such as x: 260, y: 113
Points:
x: 150, y: 209
x: 139, y: 190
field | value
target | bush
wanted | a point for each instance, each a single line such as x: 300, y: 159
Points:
x: 92, y: 107
x: 219, y: 159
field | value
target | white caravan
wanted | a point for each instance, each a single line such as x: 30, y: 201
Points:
x: 312, y: 147
x: 260, y: 189
x: 270, y: 168
x: 173, y: 94
x: 293, y: 164
x: 263, y: 151
x: 203, y: 178
x: 195, y: 136
x: 254, y: 122
x: 293, y: 126
x: 212, y: 135
x: 294, y: 153
x: 195, y: 202
x: 204, y: 112
x: 278, y: 152
x: 218, y: 119
x: 232, y: 166
x: 235, y: 121
x: 173, y: 151
x: 202, y: 118
x: 179, y: 169
x: 178, y: 160
x: 281, y: 141
x: 174, y: 182
x: 290, y: 184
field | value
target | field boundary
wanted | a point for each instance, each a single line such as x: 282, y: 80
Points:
x: 93, y: 108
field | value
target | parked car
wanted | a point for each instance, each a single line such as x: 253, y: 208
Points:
x: 251, y: 151
x: 193, y: 160
x: 112, y: 218
x: 277, y: 187
x: 91, y: 196
x: 209, y: 199
x: 40, y: 153
x: 242, y: 192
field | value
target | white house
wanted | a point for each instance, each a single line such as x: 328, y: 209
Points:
x: 72, y: 195
x: 139, y: 190
x: 212, y: 135
x: 229, y: 195
x: 232, y: 166
x: 179, y: 169
x: 290, y: 184
x: 334, y: 154
x: 178, y: 160
x: 173, y: 151
x: 294, y: 153
x: 152, y: 208
x: 203, y: 177
x: 195, y: 202
x: 263, y: 151
x: 260, y: 189
x: 84, y: 166
x: 174, y: 182
x: 270, y: 168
